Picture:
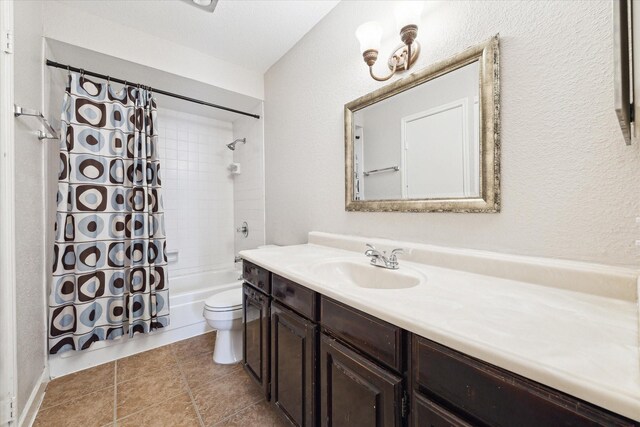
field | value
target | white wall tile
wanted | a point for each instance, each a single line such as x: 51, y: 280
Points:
x: 198, y: 192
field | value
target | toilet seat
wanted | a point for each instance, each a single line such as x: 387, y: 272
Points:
x: 225, y: 302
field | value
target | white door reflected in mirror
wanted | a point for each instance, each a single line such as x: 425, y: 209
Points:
x: 422, y: 143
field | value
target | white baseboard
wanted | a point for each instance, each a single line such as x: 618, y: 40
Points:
x: 30, y: 411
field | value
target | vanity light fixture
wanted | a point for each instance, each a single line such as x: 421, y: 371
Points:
x: 206, y: 5
x: 404, y: 56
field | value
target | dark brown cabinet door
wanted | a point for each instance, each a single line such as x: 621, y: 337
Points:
x: 429, y: 414
x: 293, y: 365
x: 355, y: 392
x: 492, y: 396
x: 256, y: 336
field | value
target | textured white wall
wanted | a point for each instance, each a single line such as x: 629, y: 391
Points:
x: 570, y: 185
x: 30, y: 202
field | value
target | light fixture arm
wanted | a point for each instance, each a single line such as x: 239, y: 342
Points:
x: 401, y: 59
x: 393, y: 70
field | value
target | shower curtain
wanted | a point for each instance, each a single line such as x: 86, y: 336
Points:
x: 110, y: 269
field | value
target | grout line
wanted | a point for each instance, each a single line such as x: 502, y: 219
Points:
x: 158, y: 403
x: 216, y: 378
x: 72, y: 399
x: 46, y: 408
x: 240, y: 410
x: 115, y: 384
x: 193, y: 400
x: 167, y: 397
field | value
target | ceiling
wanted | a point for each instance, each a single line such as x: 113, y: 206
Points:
x: 251, y: 33
x: 109, y: 65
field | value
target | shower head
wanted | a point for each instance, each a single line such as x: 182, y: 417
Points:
x: 232, y: 146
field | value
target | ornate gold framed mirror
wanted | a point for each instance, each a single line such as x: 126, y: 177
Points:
x: 429, y: 142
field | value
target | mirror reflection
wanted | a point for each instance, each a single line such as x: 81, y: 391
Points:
x: 423, y: 143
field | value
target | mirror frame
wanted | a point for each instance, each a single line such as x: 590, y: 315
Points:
x: 488, y: 201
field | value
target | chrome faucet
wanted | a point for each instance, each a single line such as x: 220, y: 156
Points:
x: 380, y: 259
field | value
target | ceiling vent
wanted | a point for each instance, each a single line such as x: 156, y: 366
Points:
x: 206, y: 5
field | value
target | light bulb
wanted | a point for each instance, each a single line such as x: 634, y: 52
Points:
x: 369, y: 35
x: 408, y: 13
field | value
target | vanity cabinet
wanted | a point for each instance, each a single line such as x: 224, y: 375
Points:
x: 255, y: 349
x: 361, y: 368
x: 257, y: 276
x: 293, y: 365
x: 451, y: 388
x: 324, y: 363
x: 294, y: 351
x: 298, y: 298
x: 379, y: 340
x: 354, y: 391
x: 428, y: 413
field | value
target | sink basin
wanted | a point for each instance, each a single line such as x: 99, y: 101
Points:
x: 364, y: 275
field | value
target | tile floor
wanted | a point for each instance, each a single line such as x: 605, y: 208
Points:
x: 174, y: 385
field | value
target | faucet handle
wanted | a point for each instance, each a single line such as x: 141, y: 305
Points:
x: 393, y: 258
x: 371, y: 249
x: 397, y: 251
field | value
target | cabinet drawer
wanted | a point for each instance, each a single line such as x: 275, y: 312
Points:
x: 295, y: 296
x: 257, y: 276
x: 429, y: 414
x: 497, y: 397
x: 381, y: 340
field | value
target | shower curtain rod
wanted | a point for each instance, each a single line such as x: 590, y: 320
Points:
x: 162, y: 92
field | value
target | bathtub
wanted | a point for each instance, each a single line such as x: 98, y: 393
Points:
x: 195, y: 285
x: 187, y: 294
x: 186, y: 298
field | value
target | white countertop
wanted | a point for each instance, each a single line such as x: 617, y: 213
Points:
x: 577, y: 341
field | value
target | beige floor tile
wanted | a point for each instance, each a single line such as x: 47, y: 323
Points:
x: 225, y: 397
x: 186, y: 349
x: 178, y: 411
x: 77, y: 385
x: 261, y: 414
x: 93, y: 409
x: 200, y: 370
x: 150, y: 388
x: 139, y: 364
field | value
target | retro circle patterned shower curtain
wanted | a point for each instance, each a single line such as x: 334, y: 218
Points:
x: 110, y: 268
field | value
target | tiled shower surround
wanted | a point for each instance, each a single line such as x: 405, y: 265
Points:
x: 204, y: 203
x: 198, y: 191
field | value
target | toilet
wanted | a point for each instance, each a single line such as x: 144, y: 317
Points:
x: 223, y: 312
